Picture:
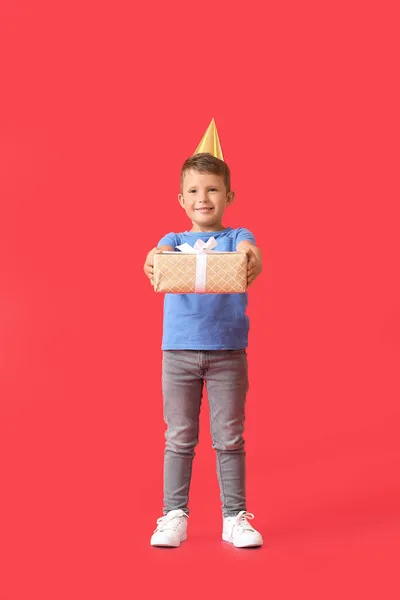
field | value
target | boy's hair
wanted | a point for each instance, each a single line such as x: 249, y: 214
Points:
x: 207, y: 163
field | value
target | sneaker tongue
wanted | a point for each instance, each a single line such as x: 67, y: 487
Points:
x: 245, y: 525
x: 165, y: 522
x: 176, y: 513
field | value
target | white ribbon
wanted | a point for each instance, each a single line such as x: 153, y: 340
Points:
x: 200, y: 249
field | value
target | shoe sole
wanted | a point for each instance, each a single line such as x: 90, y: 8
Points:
x: 226, y: 538
x: 168, y: 545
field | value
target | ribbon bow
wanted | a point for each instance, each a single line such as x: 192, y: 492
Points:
x: 200, y: 246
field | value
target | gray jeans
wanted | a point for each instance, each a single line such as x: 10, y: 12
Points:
x: 183, y: 375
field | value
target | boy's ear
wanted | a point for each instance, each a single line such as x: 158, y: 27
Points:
x: 181, y: 200
x: 230, y: 197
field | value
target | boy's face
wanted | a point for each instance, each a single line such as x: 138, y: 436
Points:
x: 204, y: 198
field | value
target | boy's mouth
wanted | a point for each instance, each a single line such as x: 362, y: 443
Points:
x: 205, y: 209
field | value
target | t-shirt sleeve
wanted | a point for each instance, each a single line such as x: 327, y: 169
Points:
x: 168, y: 240
x: 245, y: 234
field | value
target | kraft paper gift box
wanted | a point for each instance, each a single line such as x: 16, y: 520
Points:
x: 200, y: 270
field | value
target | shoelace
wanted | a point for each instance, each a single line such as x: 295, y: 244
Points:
x: 242, y: 521
x: 163, y: 521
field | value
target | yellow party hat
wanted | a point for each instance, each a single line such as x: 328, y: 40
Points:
x: 210, y: 142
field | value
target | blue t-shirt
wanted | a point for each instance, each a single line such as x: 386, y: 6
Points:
x: 206, y: 321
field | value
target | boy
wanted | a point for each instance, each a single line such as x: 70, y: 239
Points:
x: 205, y: 340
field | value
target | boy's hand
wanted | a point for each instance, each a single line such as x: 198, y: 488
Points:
x: 254, y: 265
x: 148, y: 267
x: 149, y: 264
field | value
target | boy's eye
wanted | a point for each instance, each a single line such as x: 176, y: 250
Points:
x: 213, y: 189
x: 192, y: 191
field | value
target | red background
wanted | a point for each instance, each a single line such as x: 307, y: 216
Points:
x: 101, y: 104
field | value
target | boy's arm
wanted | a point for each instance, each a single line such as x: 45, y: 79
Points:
x: 254, y: 265
x: 149, y: 262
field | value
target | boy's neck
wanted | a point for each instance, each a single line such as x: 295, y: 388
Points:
x: 207, y: 229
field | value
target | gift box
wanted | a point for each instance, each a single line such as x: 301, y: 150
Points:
x: 200, y: 270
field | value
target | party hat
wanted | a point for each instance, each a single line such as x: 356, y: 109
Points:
x: 210, y: 142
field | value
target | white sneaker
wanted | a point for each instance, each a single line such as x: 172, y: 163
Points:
x: 171, y: 529
x: 238, y: 531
